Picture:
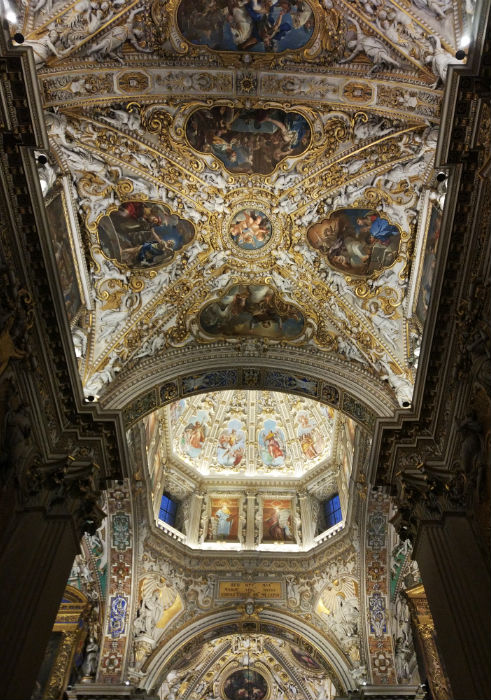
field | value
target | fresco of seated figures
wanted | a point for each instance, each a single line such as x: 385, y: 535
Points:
x: 252, y: 310
x: 252, y: 141
x: 356, y: 241
x: 272, y: 444
x: 194, y: 434
x: 231, y: 444
x: 143, y: 234
x: 310, y: 437
x: 259, y: 26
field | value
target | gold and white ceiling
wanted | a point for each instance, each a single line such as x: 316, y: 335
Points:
x: 250, y: 433
x: 237, y: 172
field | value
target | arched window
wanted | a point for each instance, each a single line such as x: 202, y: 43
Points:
x: 332, y: 511
x: 168, y: 510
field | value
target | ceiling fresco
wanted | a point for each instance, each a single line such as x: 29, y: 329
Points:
x: 250, y: 433
x: 245, y: 170
x: 265, y: 666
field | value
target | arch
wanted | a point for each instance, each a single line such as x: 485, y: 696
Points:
x: 231, y: 621
x: 157, y: 381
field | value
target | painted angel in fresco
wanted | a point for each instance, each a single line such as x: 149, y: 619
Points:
x: 250, y: 229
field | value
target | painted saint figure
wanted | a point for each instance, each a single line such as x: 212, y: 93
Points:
x: 143, y: 234
x: 224, y: 522
x: 357, y: 241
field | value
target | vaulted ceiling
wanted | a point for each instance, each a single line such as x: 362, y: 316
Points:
x: 203, y: 148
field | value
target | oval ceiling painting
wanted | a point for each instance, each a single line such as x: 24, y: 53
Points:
x: 252, y: 141
x: 143, y: 234
x: 252, y: 310
x: 259, y: 26
x: 356, y: 241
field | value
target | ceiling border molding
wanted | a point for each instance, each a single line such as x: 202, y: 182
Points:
x: 157, y: 381
x: 156, y: 664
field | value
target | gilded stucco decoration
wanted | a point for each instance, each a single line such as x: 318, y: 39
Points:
x: 245, y: 132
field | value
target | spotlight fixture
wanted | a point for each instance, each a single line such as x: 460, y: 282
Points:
x: 441, y: 177
x: 460, y: 55
x: 42, y: 159
x: 405, y: 404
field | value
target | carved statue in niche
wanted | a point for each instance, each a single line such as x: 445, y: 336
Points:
x: 89, y: 665
x: 149, y: 613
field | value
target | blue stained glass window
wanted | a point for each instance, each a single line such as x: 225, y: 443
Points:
x: 332, y: 511
x: 168, y: 510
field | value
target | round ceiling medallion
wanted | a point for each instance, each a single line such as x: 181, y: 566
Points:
x: 251, y: 229
x: 245, y: 683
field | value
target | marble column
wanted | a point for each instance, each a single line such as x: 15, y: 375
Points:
x: 194, y: 518
x: 425, y: 638
x: 308, y: 530
x: 250, y: 534
x: 457, y: 583
x: 34, y: 568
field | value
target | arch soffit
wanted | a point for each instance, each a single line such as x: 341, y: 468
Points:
x: 158, y: 381
x: 222, y: 622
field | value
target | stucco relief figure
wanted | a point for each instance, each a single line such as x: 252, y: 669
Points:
x: 248, y: 140
x: 259, y: 26
x: 252, y: 310
x: 356, y: 241
x: 143, y: 234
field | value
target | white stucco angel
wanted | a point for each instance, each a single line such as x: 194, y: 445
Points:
x: 122, y: 118
x: 110, y: 45
x: 374, y: 48
x: 45, y: 46
x: 156, y: 597
x: 439, y: 60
